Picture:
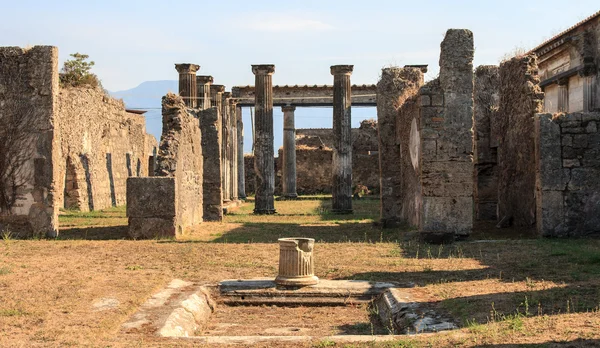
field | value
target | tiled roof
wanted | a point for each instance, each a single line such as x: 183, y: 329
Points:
x: 588, y: 19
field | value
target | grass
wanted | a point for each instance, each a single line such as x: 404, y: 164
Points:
x: 513, y: 290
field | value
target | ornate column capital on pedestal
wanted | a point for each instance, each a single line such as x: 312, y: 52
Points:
x: 187, y: 68
x: 342, y: 69
x: 263, y: 69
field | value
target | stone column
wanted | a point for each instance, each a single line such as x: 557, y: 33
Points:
x: 216, y: 92
x: 289, y: 152
x: 233, y: 153
x: 589, y: 93
x: 226, y: 147
x: 187, y: 83
x: 264, y: 162
x: 203, y: 83
x: 563, y: 95
x: 212, y: 191
x: 342, y: 139
x: 241, y: 181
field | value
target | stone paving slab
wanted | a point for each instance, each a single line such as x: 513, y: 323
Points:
x: 326, y: 291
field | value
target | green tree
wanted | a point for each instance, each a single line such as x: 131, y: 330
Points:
x: 77, y: 72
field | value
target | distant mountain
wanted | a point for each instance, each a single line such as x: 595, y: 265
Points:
x: 147, y: 96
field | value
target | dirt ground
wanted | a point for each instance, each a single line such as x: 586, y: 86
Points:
x: 503, y: 288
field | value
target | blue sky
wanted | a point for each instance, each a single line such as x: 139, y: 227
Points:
x: 136, y: 41
x: 133, y: 41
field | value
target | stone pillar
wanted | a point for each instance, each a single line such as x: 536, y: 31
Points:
x: 203, y: 83
x: 226, y: 146
x: 289, y: 152
x: 211, y: 152
x: 342, y: 139
x: 240, y: 154
x: 233, y: 153
x: 216, y: 92
x: 589, y: 93
x: 563, y: 95
x: 187, y: 83
x: 296, y: 262
x: 264, y: 161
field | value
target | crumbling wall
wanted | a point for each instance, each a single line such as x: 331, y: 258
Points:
x: 520, y: 99
x: 211, y: 153
x: 179, y: 157
x: 397, y: 110
x: 29, y: 92
x: 446, y: 139
x: 313, y: 168
x: 567, y: 174
x: 101, y: 146
x: 485, y: 151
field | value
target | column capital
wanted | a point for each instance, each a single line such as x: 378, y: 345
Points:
x: 233, y: 101
x: 187, y: 68
x: 217, y: 89
x: 263, y: 69
x: 204, y: 79
x: 288, y: 108
x: 227, y: 95
x: 341, y: 69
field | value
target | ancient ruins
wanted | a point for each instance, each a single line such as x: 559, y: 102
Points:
x: 516, y: 143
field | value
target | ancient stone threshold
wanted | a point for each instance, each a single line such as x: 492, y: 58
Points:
x: 230, y: 206
x: 182, y: 309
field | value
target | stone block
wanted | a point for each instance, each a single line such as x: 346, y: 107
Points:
x: 580, y: 141
x: 437, y: 100
x: 151, y: 197
x: 153, y: 227
x: 425, y: 100
x: 584, y: 179
x: 574, y: 130
x: 447, y: 214
x: 591, y: 127
x: 570, y: 163
x: 550, y: 211
x: 567, y: 140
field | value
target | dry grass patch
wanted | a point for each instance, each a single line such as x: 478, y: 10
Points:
x: 505, y: 292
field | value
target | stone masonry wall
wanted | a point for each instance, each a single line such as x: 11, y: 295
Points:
x: 101, y: 146
x: 485, y: 150
x: 568, y: 174
x: 520, y: 99
x: 397, y: 110
x: 446, y: 161
x: 179, y: 157
x: 29, y: 92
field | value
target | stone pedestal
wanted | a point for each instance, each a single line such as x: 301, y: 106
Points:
x: 187, y: 83
x: 289, y: 152
x: 203, y: 83
x: 264, y: 162
x: 241, y: 181
x: 342, y: 140
x: 296, y: 262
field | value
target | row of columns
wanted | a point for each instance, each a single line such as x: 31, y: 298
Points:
x: 263, y: 142
x: 199, y: 92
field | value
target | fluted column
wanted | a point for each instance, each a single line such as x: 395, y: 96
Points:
x: 203, y: 83
x: 233, y: 153
x: 563, y: 95
x: 342, y: 139
x: 226, y: 147
x: 264, y: 164
x: 187, y: 83
x: 289, y: 152
x: 241, y: 180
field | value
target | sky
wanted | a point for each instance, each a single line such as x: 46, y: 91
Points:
x: 132, y: 41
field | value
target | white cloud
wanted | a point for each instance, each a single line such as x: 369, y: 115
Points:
x: 285, y: 23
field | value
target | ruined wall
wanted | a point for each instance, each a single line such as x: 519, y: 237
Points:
x: 179, y: 157
x: 101, y: 146
x: 485, y: 150
x: 397, y: 110
x: 28, y: 105
x: 211, y: 154
x: 567, y: 174
x: 446, y: 161
x: 520, y: 99
x: 313, y: 168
